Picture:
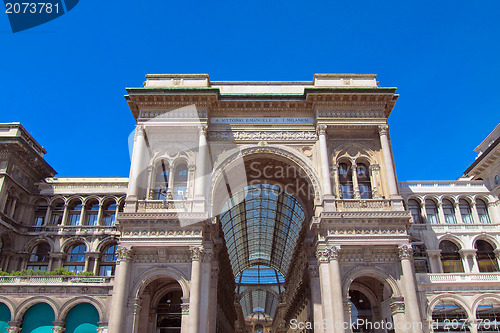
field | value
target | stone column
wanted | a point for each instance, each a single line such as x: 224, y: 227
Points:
x: 458, y: 216
x: 497, y: 256
x: 423, y: 212
x: 64, y: 220
x: 355, y: 185
x: 435, y: 261
x: 398, y: 314
x: 184, y: 315
x: 316, y: 296
x: 469, y: 260
x: 91, y: 262
x: 323, y: 257
x: 120, y: 290
x: 475, y: 215
x: 137, y: 156
x: 374, y: 170
x: 441, y: 217
x: 389, y: 165
x: 14, y: 327
x: 58, y: 327
x: 410, y: 291
x: 201, y: 164
x: 336, y: 288
x: 195, y: 296
x: 325, y: 169
x: 336, y: 184
x: 99, y: 215
x: 137, y: 312
x: 493, y: 212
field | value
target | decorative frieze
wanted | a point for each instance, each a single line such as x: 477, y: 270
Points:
x: 263, y: 136
x: 352, y: 114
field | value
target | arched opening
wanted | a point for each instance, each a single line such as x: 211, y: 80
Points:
x: 5, y: 317
x: 160, y: 186
x: 485, y: 255
x: 75, y: 211
x: 39, y: 258
x: 107, y: 262
x: 38, y: 319
x: 450, y: 257
x: 449, y: 212
x: 57, y: 212
x: 448, y: 316
x: 431, y: 211
x: 345, y: 180
x: 414, y: 208
x: 465, y: 211
x: 180, y: 181
x: 482, y: 211
x: 169, y: 312
x: 92, y: 212
x: 109, y: 213
x: 364, y: 182
x: 40, y: 213
x: 488, y: 315
x: 82, y: 318
x: 370, y: 300
x: 75, y: 258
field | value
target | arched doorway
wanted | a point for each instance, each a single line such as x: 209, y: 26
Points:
x: 263, y: 206
x: 38, y: 319
x: 82, y: 318
x: 169, y: 313
x: 5, y: 317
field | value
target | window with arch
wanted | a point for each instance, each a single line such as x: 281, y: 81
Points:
x: 364, y: 183
x: 8, y: 204
x: 75, y: 259
x: 345, y: 180
x: 420, y: 259
x: 488, y: 315
x: 431, y: 211
x: 92, y: 212
x: 162, y: 176
x: 414, y: 208
x: 39, y: 257
x: 40, y: 212
x: 447, y: 312
x: 169, y: 312
x: 450, y: 257
x: 108, y: 261
x: 109, y: 213
x: 180, y: 181
x: 482, y: 211
x: 465, y: 211
x: 75, y: 211
x: 485, y: 255
x: 57, y: 213
x: 449, y: 212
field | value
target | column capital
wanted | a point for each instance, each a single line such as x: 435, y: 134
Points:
x: 323, y: 255
x: 405, y: 252
x: 383, y: 129
x: 58, y: 327
x: 467, y: 253
x: 313, y: 271
x: 139, y: 130
x: 433, y: 253
x: 321, y: 129
x: 334, y: 252
x: 197, y: 253
x: 124, y: 253
x: 397, y: 305
x: 374, y: 167
x: 203, y: 129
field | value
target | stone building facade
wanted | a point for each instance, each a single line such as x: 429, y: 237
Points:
x: 250, y: 207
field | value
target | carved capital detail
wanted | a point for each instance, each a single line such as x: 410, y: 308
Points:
x: 124, y: 253
x: 383, y: 129
x: 375, y: 167
x: 334, y: 252
x: 203, y: 129
x: 197, y: 253
x: 322, y: 129
x: 405, y: 251
x: 323, y: 255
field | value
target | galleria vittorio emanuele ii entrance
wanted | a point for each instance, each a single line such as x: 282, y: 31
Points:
x: 266, y: 207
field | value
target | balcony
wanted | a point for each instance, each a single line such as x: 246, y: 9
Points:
x: 350, y: 205
x: 55, y: 280
x: 463, y: 227
x: 161, y: 205
x: 451, y: 278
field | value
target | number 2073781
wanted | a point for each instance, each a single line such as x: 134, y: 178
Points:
x: 31, y: 8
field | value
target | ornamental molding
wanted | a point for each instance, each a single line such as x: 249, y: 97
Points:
x: 325, y: 216
x: 351, y: 114
x: 173, y: 114
x: 263, y: 135
x: 367, y: 231
x: 405, y: 252
x: 168, y: 257
x: 160, y: 216
x: 180, y: 233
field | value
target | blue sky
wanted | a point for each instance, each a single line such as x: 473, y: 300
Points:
x: 65, y: 80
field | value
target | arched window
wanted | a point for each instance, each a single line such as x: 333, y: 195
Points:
x: 39, y: 257
x: 431, y: 210
x: 445, y: 313
x: 75, y: 260
x: 485, y: 255
x: 180, y: 181
x: 109, y: 213
x: 169, y: 313
x: 449, y: 212
x: 57, y: 213
x: 465, y: 211
x: 40, y: 212
x: 162, y: 175
x: 420, y: 257
x: 488, y: 315
x: 414, y: 208
x: 108, y: 261
x: 450, y: 257
x: 92, y: 213
x: 345, y: 181
x: 482, y: 211
x: 364, y: 184
x: 75, y: 210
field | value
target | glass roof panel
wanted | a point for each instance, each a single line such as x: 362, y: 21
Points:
x: 262, y: 228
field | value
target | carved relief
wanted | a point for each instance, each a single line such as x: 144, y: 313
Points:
x: 259, y: 136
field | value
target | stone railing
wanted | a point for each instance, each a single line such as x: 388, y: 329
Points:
x: 156, y: 205
x: 54, y: 280
x: 347, y: 205
x: 457, y: 277
x: 456, y: 227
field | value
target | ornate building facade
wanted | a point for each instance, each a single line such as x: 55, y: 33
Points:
x: 250, y: 207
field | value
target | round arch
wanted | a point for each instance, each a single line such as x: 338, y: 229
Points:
x: 157, y: 273
x: 448, y: 297
x: 27, y: 304
x: 452, y: 238
x: 69, y: 242
x: 66, y: 307
x: 8, y: 303
x: 162, y: 292
x: 354, y: 151
x: 34, y: 242
x: 481, y: 298
x: 487, y: 238
x: 375, y: 272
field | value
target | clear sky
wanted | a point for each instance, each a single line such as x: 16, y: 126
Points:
x: 65, y: 80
